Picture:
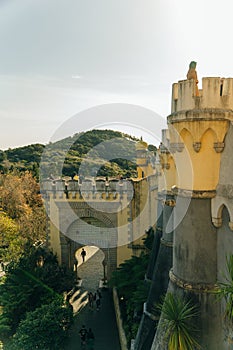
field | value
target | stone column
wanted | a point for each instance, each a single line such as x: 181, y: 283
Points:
x: 194, y: 268
x: 156, y: 241
x: 160, y: 279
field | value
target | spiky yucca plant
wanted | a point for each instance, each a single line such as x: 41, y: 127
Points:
x: 178, y: 320
x: 226, y: 288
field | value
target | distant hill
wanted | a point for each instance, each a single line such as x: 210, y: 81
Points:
x: 22, y: 159
x: 93, y: 153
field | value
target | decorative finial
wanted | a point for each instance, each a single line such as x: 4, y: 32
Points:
x: 192, y: 64
x: 192, y: 74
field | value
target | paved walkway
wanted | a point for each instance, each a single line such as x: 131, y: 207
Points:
x: 102, y: 322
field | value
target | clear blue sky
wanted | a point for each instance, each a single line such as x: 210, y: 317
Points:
x: 60, y: 57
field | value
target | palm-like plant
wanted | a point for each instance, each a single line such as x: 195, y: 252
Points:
x: 178, y: 320
x: 226, y: 288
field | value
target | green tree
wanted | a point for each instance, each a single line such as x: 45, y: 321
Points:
x: 35, y: 279
x: 44, y: 328
x: 21, y: 200
x: 132, y: 291
x: 129, y: 279
x: 11, y: 243
x: 126, y: 278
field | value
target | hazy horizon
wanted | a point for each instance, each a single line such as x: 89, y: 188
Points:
x: 59, y: 59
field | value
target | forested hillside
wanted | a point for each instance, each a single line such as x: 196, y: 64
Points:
x: 98, y: 155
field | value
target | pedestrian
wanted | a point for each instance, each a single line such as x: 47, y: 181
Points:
x: 98, y: 292
x: 83, y: 254
x: 83, y: 335
x: 90, y: 339
x: 91, y: 299
x: 94, y: 296
x: 97, y: 300
x: 97, y: 303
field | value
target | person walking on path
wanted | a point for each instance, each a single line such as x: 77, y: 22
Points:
x: 91, y: 299
x: 83, y: 254
x: 90, y: 339
x: 99, y: 293
x: 97, y: 298
x: 83, y: 335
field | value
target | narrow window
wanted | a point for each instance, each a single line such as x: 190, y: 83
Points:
x: 221, y: 88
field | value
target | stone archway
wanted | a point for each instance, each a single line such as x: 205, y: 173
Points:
x: 91, y: 272
x: 90, y: 231
x: 90, y: 251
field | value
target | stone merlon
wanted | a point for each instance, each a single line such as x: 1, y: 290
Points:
x: 215, y: 93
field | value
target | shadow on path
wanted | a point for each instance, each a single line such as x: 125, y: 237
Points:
x: 102, y: 322
x: 91, y: 271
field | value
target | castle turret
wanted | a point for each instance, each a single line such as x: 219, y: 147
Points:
x: 144, y: 161
x: 198, y: 124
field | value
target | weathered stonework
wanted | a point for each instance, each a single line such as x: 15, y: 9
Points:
x: 202, y: 122
x: 200, y: 141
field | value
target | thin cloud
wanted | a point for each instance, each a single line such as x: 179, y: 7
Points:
x: 77, y: 77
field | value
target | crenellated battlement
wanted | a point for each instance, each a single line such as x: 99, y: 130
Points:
x: 216, y: 93
x: 88, y: 197
x: 88, y: 190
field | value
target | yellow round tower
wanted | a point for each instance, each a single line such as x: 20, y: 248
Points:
x: 198, y: 125
x: 144, y: 164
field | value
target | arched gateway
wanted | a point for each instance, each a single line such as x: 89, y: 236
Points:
x: 111, y: 218
x: 94, y: 229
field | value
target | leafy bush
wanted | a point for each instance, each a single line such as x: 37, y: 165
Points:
x: 44, y: 328
x: 36, y: 279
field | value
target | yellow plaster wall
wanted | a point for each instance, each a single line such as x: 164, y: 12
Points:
x: 123, y: 253
x: 168, y: 172
x: 198, y: 169
x: 145, y: 167
x: 122, y: 223
x: 143, y: 162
